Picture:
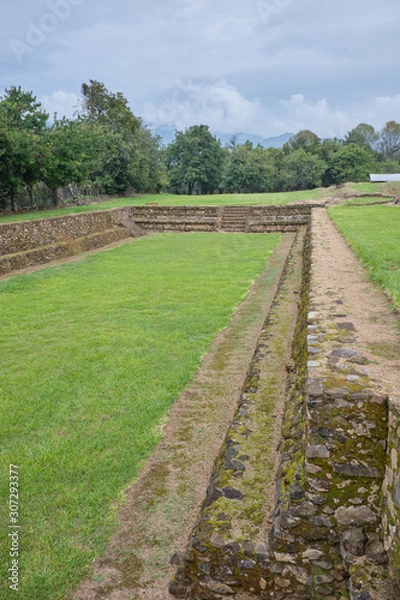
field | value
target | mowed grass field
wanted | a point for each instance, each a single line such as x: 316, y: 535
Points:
x: 93, y: 353
x: 374, y: 234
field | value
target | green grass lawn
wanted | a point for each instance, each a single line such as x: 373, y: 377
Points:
x: 368, y: 200
x: 170, y: 200
x: 374, y: 234
x: 93, y: 353
x: 380, y: 188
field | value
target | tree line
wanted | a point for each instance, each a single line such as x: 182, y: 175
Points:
x: 107, y: 150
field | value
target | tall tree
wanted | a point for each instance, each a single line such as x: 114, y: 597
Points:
x: 350, y: 163
x: 103, y: 107
x: 389, y: 142
x: 303, y: 140
x: 249, y: 170
x: 302, y: 170
x: 23, y: 123
x: 21, y: 110
x: 363, y: 135
x: 71, y: 151
x: 130, y: 157
x: 195, y: 161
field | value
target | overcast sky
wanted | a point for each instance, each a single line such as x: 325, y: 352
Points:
x: 256, y: 66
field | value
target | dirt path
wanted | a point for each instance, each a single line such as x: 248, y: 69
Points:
x: 161, y: 507
x: 343, y: 290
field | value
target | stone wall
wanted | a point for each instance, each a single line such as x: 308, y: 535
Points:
x: 26, y: 235
x: 176, y: 218
x: 225, y: 557
x: 335, y: 532
x: 29, y: 243
x: 391, y: 491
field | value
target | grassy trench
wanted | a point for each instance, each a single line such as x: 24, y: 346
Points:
x: 374, y: 234
x: 93, y: 354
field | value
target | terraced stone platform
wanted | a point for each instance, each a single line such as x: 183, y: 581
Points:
x: 323, y: 521
x: 31, y: 243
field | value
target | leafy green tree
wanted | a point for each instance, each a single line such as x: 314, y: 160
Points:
x: 249, y: 170
x: 389, y: 141
x: 195, y: 161
x: 302, y: 170
x: 100, y: 106
x: 363, y: 135
x: 130, y: 156
x: 22, y: 123
x: 350, y: 162
x: 21, y: 110
x: 303, y: 140
x: 71, y: 149
x: 148, y: 172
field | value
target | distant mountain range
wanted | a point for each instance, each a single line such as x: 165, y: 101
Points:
x: 167, y: 135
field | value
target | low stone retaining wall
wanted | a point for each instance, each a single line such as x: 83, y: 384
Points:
x: 250, y: 219
x: 61, y: 250
x: 26, y: 235
x: 176, y: 218
x: 335, y: 532
x: 391, y: 491
x: 229, y: 553
x: 29, y: 243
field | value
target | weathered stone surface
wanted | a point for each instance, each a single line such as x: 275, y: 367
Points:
x: 375, y: 551
x: 354, y: 541
x: 300, y: 574
x: 337, y: 392
x: 232, y: 493
x: 347, y: 326
x: 176, y: 559
x: 324, y: 578
x: 305, y: 509
x: 285, y: 558
x: 312, y: 554
x: 364, y: 595
x: 355, y: 515
x: 345, y: 353
x: 219, y: 588
x: 314, y: 387
x: 318, y: 451
x: 357, y: 470
x: 217, y: 540
x: 231, y: 549
x: 247, y: 564
x: 282, y: 583
x: 296, y: 491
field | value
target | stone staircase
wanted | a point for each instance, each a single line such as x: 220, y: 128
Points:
x: 234, y: 218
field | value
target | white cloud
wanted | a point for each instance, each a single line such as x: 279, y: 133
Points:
x: 60, y: 102
x: 218, y: 105
x: 387, y: 108
x: 225, y: 109
x: 326, y: 121
x: 317, y: 116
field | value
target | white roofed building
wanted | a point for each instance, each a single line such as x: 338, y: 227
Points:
x: 388, y: 177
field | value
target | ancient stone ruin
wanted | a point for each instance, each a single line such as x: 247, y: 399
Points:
x: 334, y: 531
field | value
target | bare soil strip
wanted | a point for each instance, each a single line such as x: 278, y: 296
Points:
x: 162, y: 505
x: 343, y: 290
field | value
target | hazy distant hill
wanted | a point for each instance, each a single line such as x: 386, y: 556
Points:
x: 167, y: 135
